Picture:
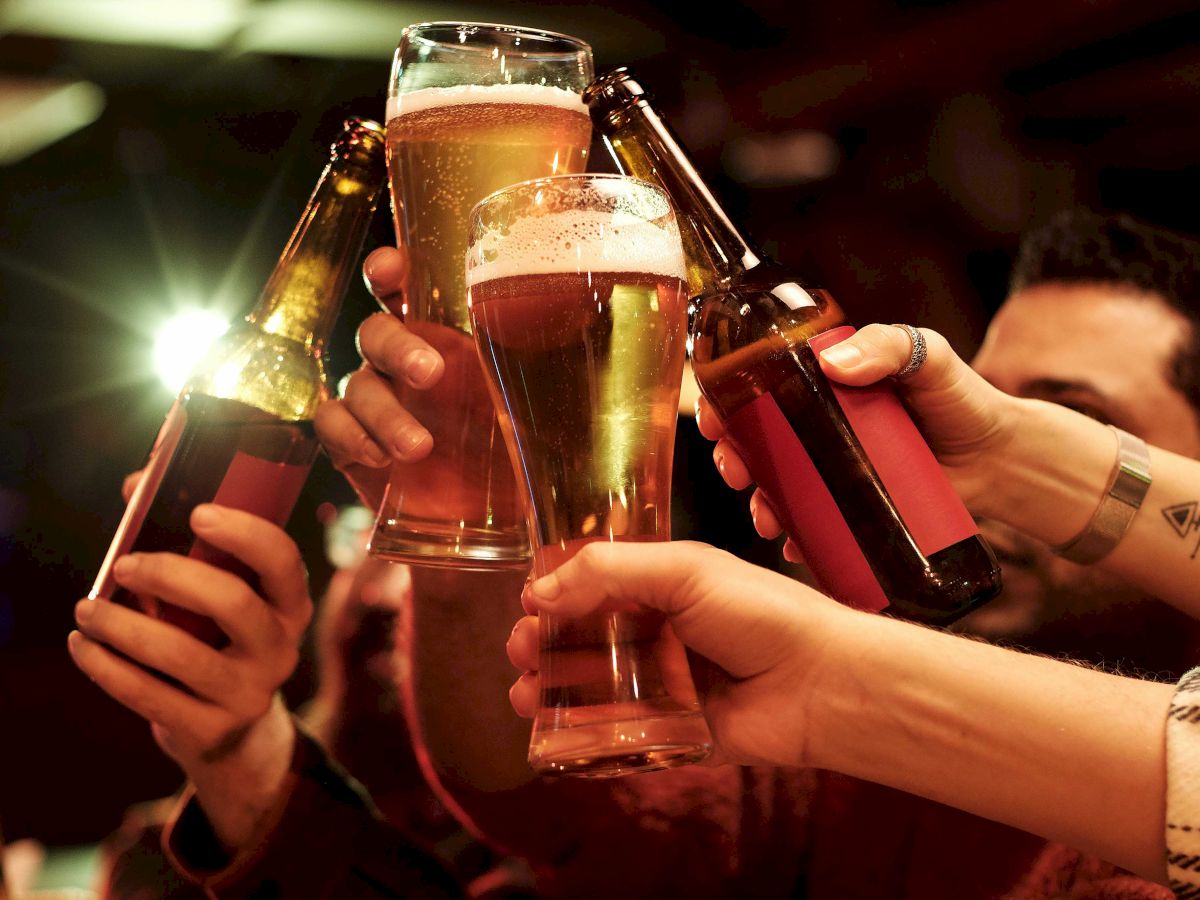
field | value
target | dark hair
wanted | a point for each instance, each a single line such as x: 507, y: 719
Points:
x: 1082, y: 246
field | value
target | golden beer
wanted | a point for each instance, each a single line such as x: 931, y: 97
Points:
x: 448, y: 146
x: 580, y: 316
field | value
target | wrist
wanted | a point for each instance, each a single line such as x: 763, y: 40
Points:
x: 237, y: 791
x: 1048, y: 477
x: 839, y: 692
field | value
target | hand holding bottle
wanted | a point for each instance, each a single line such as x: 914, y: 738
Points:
x: 219, y: 716
x: 964, y: 419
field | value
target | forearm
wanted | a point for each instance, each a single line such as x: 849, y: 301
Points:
x: 237, y: 788
x: 1038, y: 744
x: 1050, y: 477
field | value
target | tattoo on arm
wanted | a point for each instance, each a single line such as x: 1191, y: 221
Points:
x: 1184, y: 519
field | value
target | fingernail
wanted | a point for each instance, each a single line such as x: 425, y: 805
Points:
x: 719, y: 458
x: 205, y: 516
x: 125, y: 566
x: 409, y: 438
x: 74, y: 642
x: 84, y: 610
x: 369, y: 267
x: 419, y: 366
x: 844, y: 356
x: 696, y: 409
x: 546, y: 588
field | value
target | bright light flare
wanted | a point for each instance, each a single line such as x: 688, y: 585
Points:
x: 182, y: 341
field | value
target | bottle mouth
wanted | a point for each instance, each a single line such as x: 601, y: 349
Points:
x: 613, y: 91
x: 357, y: 133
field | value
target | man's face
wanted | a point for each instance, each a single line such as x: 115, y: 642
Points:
x: 1105, y: 350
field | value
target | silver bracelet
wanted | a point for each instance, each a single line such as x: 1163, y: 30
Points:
x: 1127, y: 487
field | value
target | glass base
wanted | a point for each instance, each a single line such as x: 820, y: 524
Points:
x: 608, y: 749
x: 450, y: 546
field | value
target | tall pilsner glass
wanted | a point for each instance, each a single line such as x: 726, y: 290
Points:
x: 471, y: 109
x: 578, y: 297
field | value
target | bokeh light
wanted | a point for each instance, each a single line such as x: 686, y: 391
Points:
x: 182, y: 341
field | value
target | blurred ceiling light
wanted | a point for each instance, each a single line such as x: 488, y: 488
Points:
x: 194, y: 24
x: 36, y: 112
x: 347, y: 29
x: 182, y: 341
x: 793, y: 157
x: 353, y: 29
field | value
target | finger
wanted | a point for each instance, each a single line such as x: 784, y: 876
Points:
x: 264, y: 547
x: 345, y: 440
x: 792, y: 553
x: 150, y: 697
x: 385, y: 272
x: 523, y: 695
x: 241, y: 614
x: 522, y: 646
x: 371, y: 401
x: 708, y: 421
x: 388, y: 346
x: 156, y: 645
x: 876, y: 351
x: 729, y: 463
x: 765, y: 521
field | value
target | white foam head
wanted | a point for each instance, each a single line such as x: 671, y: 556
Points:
x: 578, y: 241
x: 530, y: 94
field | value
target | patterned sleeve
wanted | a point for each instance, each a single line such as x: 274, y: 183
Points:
x: 1183, y: 788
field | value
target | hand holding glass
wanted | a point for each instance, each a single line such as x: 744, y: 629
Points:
x: 578, y: 298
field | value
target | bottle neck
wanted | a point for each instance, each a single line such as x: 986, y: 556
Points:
x: 302, y: 297
x: 645, y: 147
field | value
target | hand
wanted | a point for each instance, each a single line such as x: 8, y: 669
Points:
x: 368, y: 427
x: 216, y: 712
x: 964, y: 419
x: 763, y: 635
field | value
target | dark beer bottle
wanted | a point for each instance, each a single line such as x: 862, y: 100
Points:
x: 241, y: 434
x: 845, y: 470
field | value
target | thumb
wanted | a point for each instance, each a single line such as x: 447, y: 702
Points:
x: 876, y: 351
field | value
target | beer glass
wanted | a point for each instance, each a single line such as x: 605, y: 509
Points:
x: 471, y: 108
x: 578, y: 298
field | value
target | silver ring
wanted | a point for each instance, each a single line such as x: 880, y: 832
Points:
x: 917, y: 359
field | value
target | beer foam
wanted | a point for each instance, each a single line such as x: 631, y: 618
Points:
x: 578, y: 241
x: 460, y: 95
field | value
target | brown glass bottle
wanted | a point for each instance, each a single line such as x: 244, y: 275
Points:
x: 240, y: 434
x: 845, y: 470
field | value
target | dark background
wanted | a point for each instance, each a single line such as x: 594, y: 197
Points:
x: 894, y: 149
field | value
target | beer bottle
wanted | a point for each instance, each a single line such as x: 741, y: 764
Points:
x: 845, y: 470
x: 240, y: 433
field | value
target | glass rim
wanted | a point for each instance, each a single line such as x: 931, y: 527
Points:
x: 576, y: 44
x: 572, y: 176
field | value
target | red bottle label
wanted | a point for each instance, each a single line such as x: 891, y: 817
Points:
x: 802, y: 503
x: 931, y: 509
x: 258, y: 486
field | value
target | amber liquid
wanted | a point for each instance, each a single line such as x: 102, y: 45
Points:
x: 209, y: 450
x: 460, y: 506
x: 585, y: 369
x: 747, y: 343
